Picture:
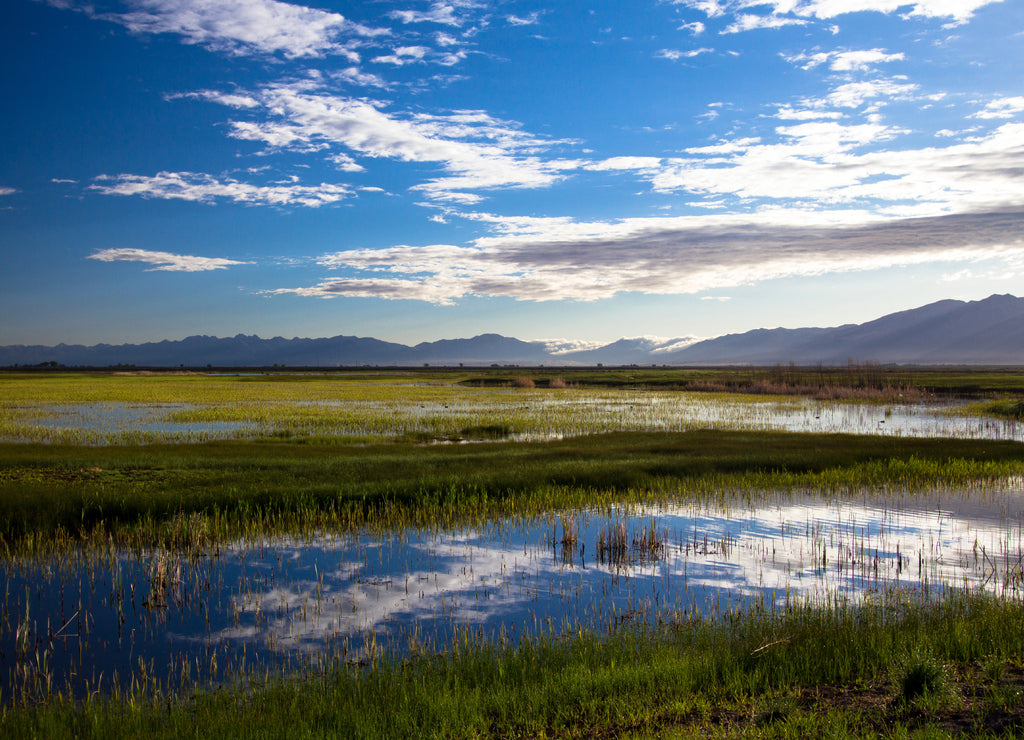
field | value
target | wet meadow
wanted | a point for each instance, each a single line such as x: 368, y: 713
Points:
x: 512, y: 552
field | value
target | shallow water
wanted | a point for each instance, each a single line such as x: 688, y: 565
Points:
x: 113, y: 419
x: 539, y: 417
x: 85, y: 623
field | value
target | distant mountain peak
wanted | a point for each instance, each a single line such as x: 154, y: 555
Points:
x: 984, y: 332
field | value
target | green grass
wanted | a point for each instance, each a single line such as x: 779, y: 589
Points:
x: 366, y: 406
x: 956, y: 381
x: 804, y: 672
x: 1009, y: 409
x: 145, y: 492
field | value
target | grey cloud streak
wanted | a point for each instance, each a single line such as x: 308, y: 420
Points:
x: 665, y: 256
x: 741, y: 245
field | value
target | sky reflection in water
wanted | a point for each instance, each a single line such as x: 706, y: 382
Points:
x: 333, y: 599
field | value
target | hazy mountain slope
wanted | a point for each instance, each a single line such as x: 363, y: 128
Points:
x: 482, y: 350
x: 990, y: 331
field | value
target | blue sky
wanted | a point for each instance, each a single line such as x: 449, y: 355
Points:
x: 418, y: 169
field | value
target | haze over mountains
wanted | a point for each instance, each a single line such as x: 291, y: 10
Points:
x: 949, y: 332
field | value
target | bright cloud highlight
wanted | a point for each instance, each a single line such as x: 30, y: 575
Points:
x: 165, y: 261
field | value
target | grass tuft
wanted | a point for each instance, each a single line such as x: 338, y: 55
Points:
x: 922, y: 677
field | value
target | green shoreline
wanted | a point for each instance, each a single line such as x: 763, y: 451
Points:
x: 189, y: 495
x: 941, y: 669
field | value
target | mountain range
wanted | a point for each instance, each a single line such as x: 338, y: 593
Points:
x: 949, y: 332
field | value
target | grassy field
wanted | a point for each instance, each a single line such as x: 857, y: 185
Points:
x: 899, y: 666
x: 361, y: 407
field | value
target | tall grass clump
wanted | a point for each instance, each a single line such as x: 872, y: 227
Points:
x: 921, y: 677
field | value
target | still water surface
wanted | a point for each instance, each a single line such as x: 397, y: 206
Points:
x: 86, y: 622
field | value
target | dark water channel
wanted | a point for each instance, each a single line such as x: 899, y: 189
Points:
x: 83, y: 622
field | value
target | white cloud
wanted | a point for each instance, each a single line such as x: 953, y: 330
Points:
x: 165, y: 261
x: 439, y: 12
x: 203, y: 188
x: 725, y: 147
x: 565, y: 346
x: 345, y: 163
x: 245, y: 26
x: 806, y: 114
x: 8, y: 191
x: 821, y: 162
x: 530, y: 20
x: 452, y: 58
x: 650, y: 164
x: 855, y: 94
x: 1002, y: 108
x: 476, y: 150
x: 403, y: 55
x: 274, y: 135
x: 846, y: 61
x: 675, y: 55
x: 749, y: 22
x: 959, y: 11
x: 355, y: 76
x: 232, y: 100
x: 711, y: 8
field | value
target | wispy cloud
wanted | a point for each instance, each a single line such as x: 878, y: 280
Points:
x: 846, y: 61
x: 204, y: 188
x: 959, y: 11
x: 165, y: 261
x: 386, y: 288
x: 440, y: 12
x: 403, y: 55
x: 856, y: 94
x: 477, y: 151
x: 1002, y: 108
x: 821, y: 161
x: 675, y: 55
x: 750, y: 22
x: 244, y: 26
x: 530, y: 20
x: 233, y: 100
x: 355, y: 76
x: 8, y: 191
